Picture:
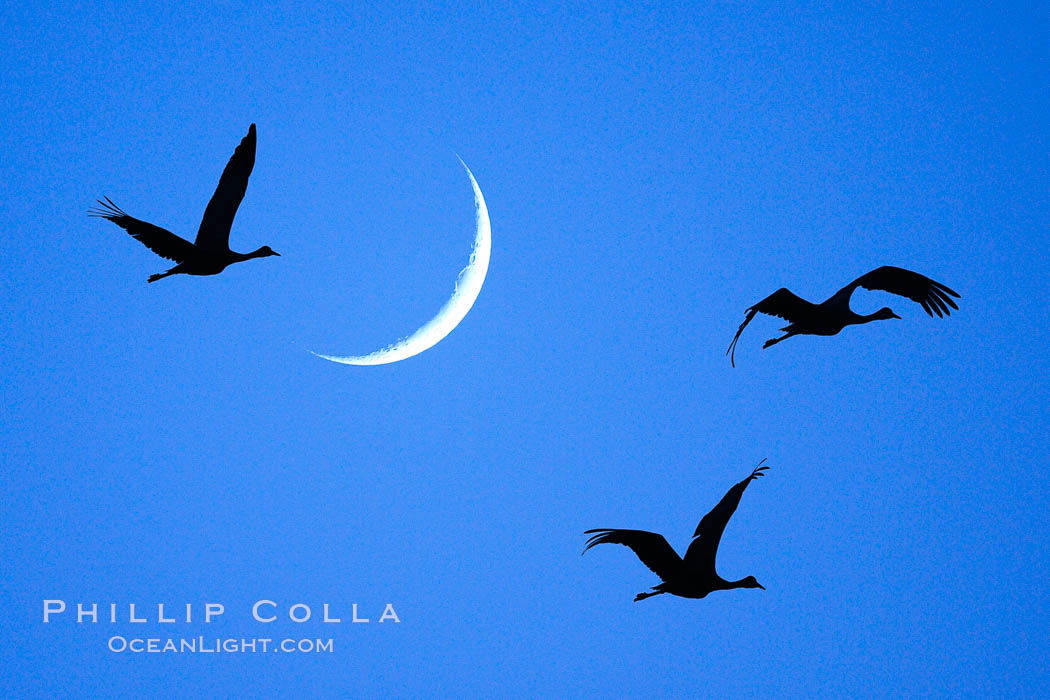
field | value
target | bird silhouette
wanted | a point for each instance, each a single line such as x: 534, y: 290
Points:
x: 832, y: 315
x: 695, y: 575
x: 210, y: 253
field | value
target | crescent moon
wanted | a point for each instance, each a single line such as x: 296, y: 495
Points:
x: 468, y: 286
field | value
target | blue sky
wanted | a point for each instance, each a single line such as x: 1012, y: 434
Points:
x: 649, y: 173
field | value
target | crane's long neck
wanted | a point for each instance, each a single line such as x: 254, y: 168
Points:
x: 260, y: 253
x: 746, y: 582
x: 867, y: 318
x: 848, y: 317
x: 882, y: 314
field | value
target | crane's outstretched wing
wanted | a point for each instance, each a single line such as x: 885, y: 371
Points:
x: 161, y: 241
x: 650, y: 547
x: 214, y: 233
x: 781, y: 303
x: 701, y: 553
x: 934, y: 297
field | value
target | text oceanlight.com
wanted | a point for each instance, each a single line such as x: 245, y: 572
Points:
x: 203, y: 645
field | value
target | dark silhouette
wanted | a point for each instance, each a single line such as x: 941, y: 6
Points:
x: 831, y: 316
x: 694, y: 576
x: 210, y: 253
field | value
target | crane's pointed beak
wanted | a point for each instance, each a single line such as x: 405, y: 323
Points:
x: 760, y: 585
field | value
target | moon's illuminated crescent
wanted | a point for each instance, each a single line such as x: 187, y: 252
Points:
x: 468, y: 286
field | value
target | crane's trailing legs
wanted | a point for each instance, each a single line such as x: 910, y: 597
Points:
x: 161, y: 275
x: 774, y: 341
x: 643, y: 596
